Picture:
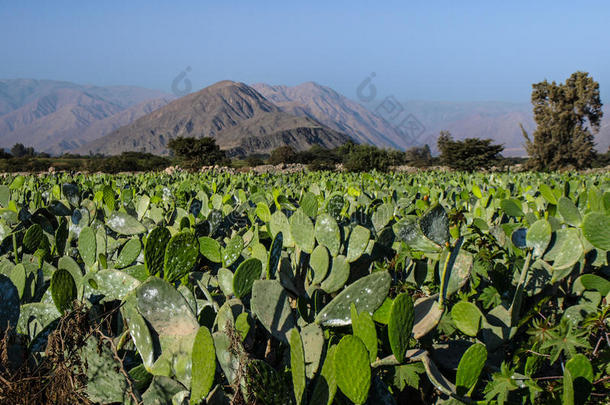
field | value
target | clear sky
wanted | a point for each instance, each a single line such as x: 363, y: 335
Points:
x: 426, y: 50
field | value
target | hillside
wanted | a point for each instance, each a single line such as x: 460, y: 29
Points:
x: 54, y: 116
x: 240, y: 119
x: 334, y: 110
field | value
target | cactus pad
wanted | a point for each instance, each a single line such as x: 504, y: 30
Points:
x: 367, y: 294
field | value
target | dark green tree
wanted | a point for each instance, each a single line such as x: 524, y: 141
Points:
x: 567, y: 115
x: 363, y: 158
x: 282, y: 154
x: 468, y: 155
x: 197, y: 152
x: 19, y: 150
x: 418, y: 156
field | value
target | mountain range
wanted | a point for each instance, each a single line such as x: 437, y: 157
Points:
x: 59, y: 117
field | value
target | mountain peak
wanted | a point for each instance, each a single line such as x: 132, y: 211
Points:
x: 240, y: 119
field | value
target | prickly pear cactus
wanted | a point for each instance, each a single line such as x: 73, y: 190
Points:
x: 358, y: 241
x: 180, y: 256
x: 325, y: 386
x: 232, y: 251
x: 270, y: 305
x: 124, y: 224
x: 469, y: 368
x: 210, y: 249
x: 319, y: 263
x: 352, y: 368
x: 363, y: 327
x: 154, y: 249
x: 327, y: 233
x: 302, y: 231
x: 130, y: 252
x: 275, y: 254
x: 313, y: 344
x: 87, y: 246
x: 169, y: 315
x: 63, y: 290
x: 297, y: 364
x: 400, y: 325
x: 247, y: 272
x: 32, y: 238
x: 367, y: 294
x: 103, y: 387
x: 467, y: 317
x: 338, y: 276
x: 204, y: 365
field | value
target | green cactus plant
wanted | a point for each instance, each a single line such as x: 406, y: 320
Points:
x: 313, y: 344
x: 469, y: 369
x: 363, y: 327
x: 210, y: 249
x: 63, y: 290
x: 87, y: 246
x: 154, y: 249
x: 467, y: 317
x: 180, y: 256
x: 595, y: 227
x: 367, y: 294
x: 358, y: 241
x: 232, y: 251
x: 327, y: 233
x: 270, y: 305
x: 297, y: 365
x: 275, y: 254
x: 204, y: 365
x: 302, y: 231
x: 247, y: 272
x: 129, y: 253
x: 352, y: 368
x: 319, y: 263
x: 338, y: 276
x: 400, y: 325
x: 124, y: 224
x: 325, y: 386
x: 32, y: 238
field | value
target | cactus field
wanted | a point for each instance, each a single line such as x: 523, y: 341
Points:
x: 305, y: 288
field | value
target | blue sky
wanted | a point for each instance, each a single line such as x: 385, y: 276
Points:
x: 442, y: 50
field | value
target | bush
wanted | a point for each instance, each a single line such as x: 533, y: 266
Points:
x: 468, y: 155
x: 419, y: 156
x: 282, y: 154
x: 197, y: 152
x: 365, y: 158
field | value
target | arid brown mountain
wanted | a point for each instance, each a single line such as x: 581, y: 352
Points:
x: 335, y: 111
x: 56, y: 117
x: 240, y: 119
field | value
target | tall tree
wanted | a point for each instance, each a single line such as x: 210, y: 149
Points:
x: 567, y: 115
x: 197, y: 152
x: 467, y: 155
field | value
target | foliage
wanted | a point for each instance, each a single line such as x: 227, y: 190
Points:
x: 567, y: 115
x: 197, y: 152
x: 468, y: 155
x: 418, y: 156
x: 282, y: 154
x: 310, y: 288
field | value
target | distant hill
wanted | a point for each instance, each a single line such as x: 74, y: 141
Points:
x: 335, y: 111
x: 496, y: 120
x: 56, y: 117
x: 240, y: 119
